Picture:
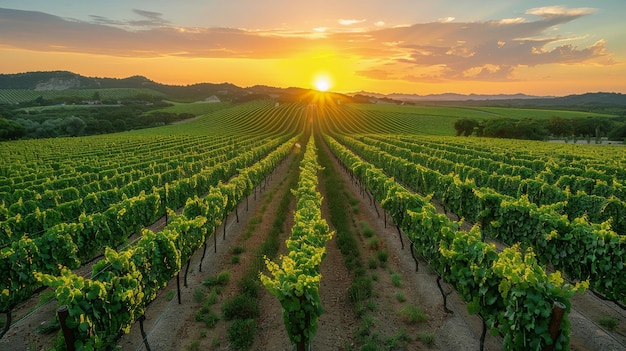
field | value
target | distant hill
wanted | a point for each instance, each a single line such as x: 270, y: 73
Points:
x: 600, y: 99
x: 447, y: 96
x: 64, y: 80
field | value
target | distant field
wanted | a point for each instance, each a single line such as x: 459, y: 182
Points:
x: 199, y: 108
x: 434, y: 120
x: 16, y: 96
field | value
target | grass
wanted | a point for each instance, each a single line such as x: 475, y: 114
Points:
x: 198, y: 294
x: 221, y: 279
x: 372, y: 263
x: 428, y: 339
x: 368, y: 232
x: 194, y: 346
x: 374, y: 243
x: 209, y: 318
x: 412, y: 314
x: 237, y: 250
x: 610, y: 323
x: 396, y: 280
x: 382, y: 256
x: 170, y: 295
x: 400, y: 296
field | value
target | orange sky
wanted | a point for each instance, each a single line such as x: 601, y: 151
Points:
x: 549, y: 50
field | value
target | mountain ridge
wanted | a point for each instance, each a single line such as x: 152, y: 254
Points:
x: 66, y: 80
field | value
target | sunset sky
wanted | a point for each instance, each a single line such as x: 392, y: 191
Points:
x: 409, y: 46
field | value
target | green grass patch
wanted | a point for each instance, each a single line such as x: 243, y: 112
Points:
x: 400, y: 296
x: 428, y: 339
x: 610, y: 323
x: 412, y: 314
x: 221, y: 279
x: 396, y: 280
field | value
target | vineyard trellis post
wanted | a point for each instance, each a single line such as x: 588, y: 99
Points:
x: 7, y: 324
x: 558, y: 310
x: 68, y: 334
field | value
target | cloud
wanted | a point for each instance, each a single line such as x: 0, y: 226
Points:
x: 349, y: 22
x: 560, y: 11
x: 436, y: 51
x: 149, y: 19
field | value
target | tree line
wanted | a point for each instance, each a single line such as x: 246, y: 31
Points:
x: 537, y: 129
x: 19, y: 123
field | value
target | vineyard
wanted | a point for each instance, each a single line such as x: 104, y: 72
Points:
x: 518, y: 229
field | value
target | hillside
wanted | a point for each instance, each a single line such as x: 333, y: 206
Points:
x: 59, y: 81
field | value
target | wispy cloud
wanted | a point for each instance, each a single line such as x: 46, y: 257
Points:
x: 349, y: 22
x: 437, y: 51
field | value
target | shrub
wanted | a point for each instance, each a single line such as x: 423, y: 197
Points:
x: 241, y: 333
x: 241, y: 307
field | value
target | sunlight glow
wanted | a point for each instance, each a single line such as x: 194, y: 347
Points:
x: 322, y: 82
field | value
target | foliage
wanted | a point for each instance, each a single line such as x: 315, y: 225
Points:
x: 296, y: 281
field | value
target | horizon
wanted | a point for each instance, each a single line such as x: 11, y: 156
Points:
x: 534, y: 48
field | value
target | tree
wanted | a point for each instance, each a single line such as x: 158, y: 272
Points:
x: 465, y: 126
x: 10, y: 130
x: 74, y: 126
x: 560, y: 126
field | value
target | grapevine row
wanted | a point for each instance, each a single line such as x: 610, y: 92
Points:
x: 34, y: 216
x: 296, y: 281
x: 582, y: 250
x: 70, y: 244
x: 125, y: 282
x: 601, y: 205
x: 509, y: 290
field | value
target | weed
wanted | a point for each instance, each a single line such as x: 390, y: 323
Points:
x: 382, y: 256
x: 396, y: 280
x: 372, y: 263
x: 374, y: 243
x: 209, y: 318
x: 194, y: 346
x: 610, y: 323
x: 367, y: 231
x: 170, y: 295
x: 412, y: 314
x: 249, y: 285
x: 221, y: 279
x: 235, y: 259
x: 198, y: 294
x: 216, y: 341
x: 427, y: 339
x: 241, y: 333
x: 375, y: 277
x: 400, y: 296
x: 360, y: 289
x: 213, y: 297
x: 398, y: 341
x: 237, y: 250
x: 241, y: 306
x: 49, y: 327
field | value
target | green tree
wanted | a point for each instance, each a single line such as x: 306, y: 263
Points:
x: 465, y: 126
x: 10, y: 130
x: 560, y: 126
x: 74, y: 126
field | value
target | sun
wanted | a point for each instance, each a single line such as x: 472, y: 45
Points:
x: 322, y: 82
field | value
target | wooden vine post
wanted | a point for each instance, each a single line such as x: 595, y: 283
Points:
x: 558, y: 310
x: 68, y: 334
